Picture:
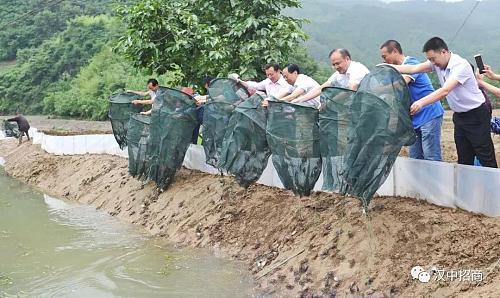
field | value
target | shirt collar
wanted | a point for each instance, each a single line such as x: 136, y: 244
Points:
x: 454, y: 60
x: 349, y: 69
x: 280, y: 81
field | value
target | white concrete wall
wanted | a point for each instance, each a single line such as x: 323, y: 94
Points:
x: 475, y: 189
x: 80, y: 144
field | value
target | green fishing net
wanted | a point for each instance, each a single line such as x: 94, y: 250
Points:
x: 362, y: 132
x: 293, y: 136
x: 224, y: 96
x: 245, y: 150
x: 137, y: 140
x: 173, y: 119
x: 120, y: 109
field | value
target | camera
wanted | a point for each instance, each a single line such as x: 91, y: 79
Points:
x: 479, y: 63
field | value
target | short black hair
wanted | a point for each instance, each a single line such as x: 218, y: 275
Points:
x: 153, y: 82
x: 343, y: 52
x: 435, y: 44
x: 292, y: 68
x: 275, y: 66
x: 208, y: 79
x: 392, y: 45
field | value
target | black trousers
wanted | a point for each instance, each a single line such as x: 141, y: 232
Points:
x: 196, y: 130
x: 473, y: 138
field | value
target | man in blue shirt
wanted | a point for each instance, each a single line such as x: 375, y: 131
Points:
x: 471, y: 117
x: 427, y: 123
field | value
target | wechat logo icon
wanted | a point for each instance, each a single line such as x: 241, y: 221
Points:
x: 419, y: 273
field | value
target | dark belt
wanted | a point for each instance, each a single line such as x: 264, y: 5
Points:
x: 474, y: 109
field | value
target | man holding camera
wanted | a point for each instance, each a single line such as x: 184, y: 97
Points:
x: 471, y: 117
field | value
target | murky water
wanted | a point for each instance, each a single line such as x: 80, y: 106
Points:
x: 54, y: 248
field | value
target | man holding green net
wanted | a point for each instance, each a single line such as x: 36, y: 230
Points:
x: 348, y: 74
x: 299, y: 84
x: 153, y: 88
x: 427, y: 123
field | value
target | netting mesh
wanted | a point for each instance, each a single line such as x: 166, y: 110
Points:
x: 354, y: 139
x: 11, y: 129
x: 137, y: 140
x: 119, y: 113
x: 173, y: 119
x: 378, y: 126
x: 245, y: 150
x: 333, y: 124
x: 224, y: 96
x: 293, y: 136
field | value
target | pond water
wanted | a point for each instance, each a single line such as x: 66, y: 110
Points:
x: 55, y: 248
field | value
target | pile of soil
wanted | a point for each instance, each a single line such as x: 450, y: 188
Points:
x: 322, y: 245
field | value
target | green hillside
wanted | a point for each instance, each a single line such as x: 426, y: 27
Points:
x: 362, y: 26
x: 27, y: 23
x: 56, y: 57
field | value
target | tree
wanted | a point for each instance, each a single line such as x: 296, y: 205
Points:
x: 26, y: 24
x: 59, y: 57
x: 86, y: 95
x: 309, y: 66
x: 213, y: 37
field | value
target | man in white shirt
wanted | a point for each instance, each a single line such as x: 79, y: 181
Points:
x: 300, y: 84
x: 273, y: 85
x: 152, y: 89
x: 471, y: 116
x: 348, y: 74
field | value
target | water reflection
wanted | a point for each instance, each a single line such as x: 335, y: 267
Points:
x: 54, y: 248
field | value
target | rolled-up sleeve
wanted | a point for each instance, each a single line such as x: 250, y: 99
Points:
x: 261, y: 86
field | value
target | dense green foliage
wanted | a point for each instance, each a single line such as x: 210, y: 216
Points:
x: 214, y: 37
x: 55, y: 55
x: 86, y: 96
x: 27, y: 23
x: 58, y: 58
x: 309, y: 66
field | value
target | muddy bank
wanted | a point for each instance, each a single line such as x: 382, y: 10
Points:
x: 321, y: 245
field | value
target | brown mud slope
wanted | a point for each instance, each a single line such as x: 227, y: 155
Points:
x: 317, y: 246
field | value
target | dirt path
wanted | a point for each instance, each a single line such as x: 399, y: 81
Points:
x: 322, y: 245
x: 448, y: 150
x: 66, y: 126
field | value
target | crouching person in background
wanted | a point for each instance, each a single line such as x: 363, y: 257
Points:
x: 23, y: 125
